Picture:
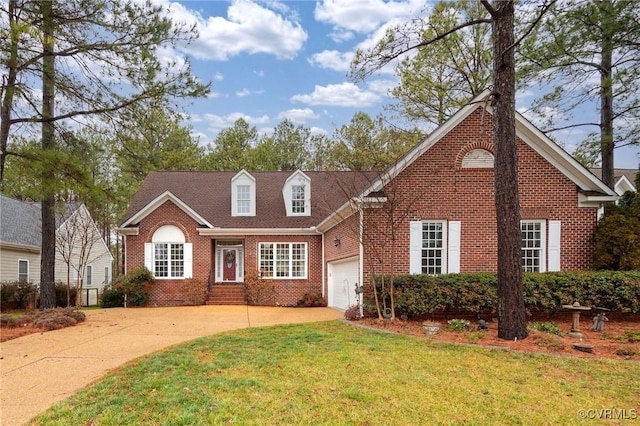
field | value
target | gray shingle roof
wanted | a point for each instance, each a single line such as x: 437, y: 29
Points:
x: 20, y: 222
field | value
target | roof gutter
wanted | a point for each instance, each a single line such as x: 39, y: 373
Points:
x: 257, y: 231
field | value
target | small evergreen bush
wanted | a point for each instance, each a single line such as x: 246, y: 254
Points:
x: 135, y: 287
x: 17, y: 295
x: 112, y: 298
x: 546, y: 327
x: 310, y: 300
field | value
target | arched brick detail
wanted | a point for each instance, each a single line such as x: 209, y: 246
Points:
x: 470, y: 147
x: 179, y: 225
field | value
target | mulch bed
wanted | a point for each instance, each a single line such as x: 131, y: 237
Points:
x: 611, y: 343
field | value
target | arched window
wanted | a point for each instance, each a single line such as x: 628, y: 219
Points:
x: 478, y: 159
x: 168, y: 255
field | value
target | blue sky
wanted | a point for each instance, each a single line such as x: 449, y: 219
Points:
x: 270, y: 60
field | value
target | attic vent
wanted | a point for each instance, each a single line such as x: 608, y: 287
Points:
x: 478, y: 159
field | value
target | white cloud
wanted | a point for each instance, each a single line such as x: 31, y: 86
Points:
x: 382, y: 87
x: 247, y: 28
x: 215, y: 122
x: 218, y: 76
x: 298, y: 116
x: 246, y: 92
x: 343, y: 95
x: 339, y: 36
x: 364, y: 16
x: 332, y: 59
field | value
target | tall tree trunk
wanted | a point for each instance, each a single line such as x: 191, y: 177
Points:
x: 512, y: 322
x: 606, y: 95
x: 48, y: 250
x: 8, y: 82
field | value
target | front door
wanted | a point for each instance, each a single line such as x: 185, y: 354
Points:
x: 229, y: 264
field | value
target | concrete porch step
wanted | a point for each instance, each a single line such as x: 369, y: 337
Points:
x: 227, y: 294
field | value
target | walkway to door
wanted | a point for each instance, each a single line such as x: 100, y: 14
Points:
x: 41, y: 369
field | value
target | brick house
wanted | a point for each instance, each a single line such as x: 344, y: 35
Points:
x: 323, y: 232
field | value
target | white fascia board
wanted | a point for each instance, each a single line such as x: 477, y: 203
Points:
x: 20, y: 247
x: 256, y: 231
x: 623, y: 185
x: 345, y: 211
x: 374, y: 202
x: 127, y: 231
x: 559, y: 158
x: 157, y: 202
x: 595, y: 200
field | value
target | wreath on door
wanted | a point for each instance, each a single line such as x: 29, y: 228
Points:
x: 230, y: 257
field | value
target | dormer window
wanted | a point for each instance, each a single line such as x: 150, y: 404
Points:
x: 297, y: 194
x: 244, y: 199
x: 297, y: 199
x: 243, y: 194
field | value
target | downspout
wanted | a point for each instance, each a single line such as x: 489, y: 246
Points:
x: 324, y: 267
x: 361, y: 257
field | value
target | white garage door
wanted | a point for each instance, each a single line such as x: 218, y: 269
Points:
x: 343, y: 276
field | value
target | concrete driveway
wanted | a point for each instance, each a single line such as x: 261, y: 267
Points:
x: 41, y: 369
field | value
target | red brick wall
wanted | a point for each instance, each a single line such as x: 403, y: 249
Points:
x: 348, y: 232
x: 289, y: 291
x: 168, y: 292
x: 435, y: 187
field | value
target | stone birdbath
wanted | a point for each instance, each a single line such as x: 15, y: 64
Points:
x: 575, y: 309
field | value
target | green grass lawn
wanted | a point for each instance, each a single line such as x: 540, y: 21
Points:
x: 336, y: 374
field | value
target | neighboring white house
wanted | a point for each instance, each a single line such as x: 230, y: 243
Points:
x: 624, y: 179
x: 81, y: 252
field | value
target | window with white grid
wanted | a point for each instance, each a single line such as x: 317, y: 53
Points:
x: 266, y: 259
x: 531, y: 246
x: 243, y: 199
x: 23, y: 270
x: 297, y: 198
x: 168, y: 260
x: 432, y: 258
x: 283, y: 260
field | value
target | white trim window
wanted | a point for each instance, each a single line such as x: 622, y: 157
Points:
x: 23, y: 270
x: 168, y: 260
x: 283, y: 260
x: 88, y: 277
x: 168, y: 255
x: 434, y: 247
x: 540, y: 245
x: 297, y: 199
x: 296, y: 194
x: 243, y: 199
x: 433, y: 258
x: 243, y: 194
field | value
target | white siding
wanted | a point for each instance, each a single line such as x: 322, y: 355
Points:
x: 9, y: 258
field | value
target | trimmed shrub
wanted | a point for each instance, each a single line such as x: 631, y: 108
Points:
x: 112, y: 298
x: 419, y: 295
x: 135, y: 286
x: 61, y: 294
x: 311, y: 300
x: 259, y: 291
x: 195, y: 291
x: 17, y: 295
